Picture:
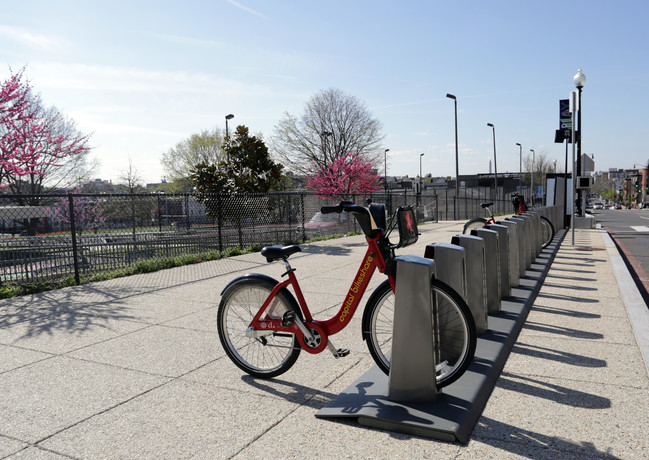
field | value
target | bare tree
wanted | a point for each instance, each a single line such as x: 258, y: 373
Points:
x: 541, y: 167
x: 333, y: 125
x: 130, y: 178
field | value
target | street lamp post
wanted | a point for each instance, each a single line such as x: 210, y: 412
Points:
x: 227, y: 117
x: 532, y: 179
x: 520, y: 168
x: 421, y: 187
x: 457, y: 168
x: 493, y: 128
x: 385, y: 170
x: 580, y: 80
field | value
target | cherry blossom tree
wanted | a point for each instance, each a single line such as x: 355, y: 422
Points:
x: 87, y: 212
x: 34, y: 141
x: 347, y: 175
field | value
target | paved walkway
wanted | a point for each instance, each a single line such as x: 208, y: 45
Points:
x: 133, y: 368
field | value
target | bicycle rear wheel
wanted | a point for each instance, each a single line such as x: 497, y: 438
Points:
x: 547, y: 232
x: 456, y: 334
x: 265, y: 356
x: 476, y: 222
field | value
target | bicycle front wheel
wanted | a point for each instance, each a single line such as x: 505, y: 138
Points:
x: 547, y: 232
x: 264, y: 356
x: 476, y: 222
x: 455, y: 331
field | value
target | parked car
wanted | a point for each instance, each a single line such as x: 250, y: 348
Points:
x: 598, y: 205
x: 321, y: 224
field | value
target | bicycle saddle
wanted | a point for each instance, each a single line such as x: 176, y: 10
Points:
x: 485, y: 205
x: 276, y: 252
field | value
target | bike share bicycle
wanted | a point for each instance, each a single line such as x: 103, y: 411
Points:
x: 263, y: 326
x: 547, y: 229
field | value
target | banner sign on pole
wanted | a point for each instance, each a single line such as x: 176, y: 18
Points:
x: 565, y: 122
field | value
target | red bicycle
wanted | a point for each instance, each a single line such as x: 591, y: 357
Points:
x: 263, y: 326
x: 547, y: 228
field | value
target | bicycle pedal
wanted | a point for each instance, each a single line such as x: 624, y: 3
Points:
x: 342, y: 352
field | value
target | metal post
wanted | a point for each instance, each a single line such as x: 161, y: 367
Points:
x: 385, y: 171
x: 532, y: 179
x: 573, y: 105
x: 457, y: 167
x: 73, y: 230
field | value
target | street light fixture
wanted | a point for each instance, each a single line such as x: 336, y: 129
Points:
x: 532, y: 180
x: 420, y: 178
x: 580, y: 81
x: 385, y: 170
x: 520, y: 168
x: 493, y: 128
x: 227, y: 117
x: 457, y: 168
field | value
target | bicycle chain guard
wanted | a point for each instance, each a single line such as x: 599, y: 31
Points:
x: 320, y: 339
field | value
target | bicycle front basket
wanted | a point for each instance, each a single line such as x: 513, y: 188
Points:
x: 407, y: 221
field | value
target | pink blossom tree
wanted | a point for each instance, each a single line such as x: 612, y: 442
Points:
x: 347, y: 175
x: 87, y: 212
x: 34, y: 141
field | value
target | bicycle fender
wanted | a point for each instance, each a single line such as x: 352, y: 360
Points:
x: 251, y: 276
x: 271, y: 282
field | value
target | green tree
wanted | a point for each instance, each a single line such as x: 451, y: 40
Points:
x: 247, y: 167
x: 178, y: 161
x: 225, y: 188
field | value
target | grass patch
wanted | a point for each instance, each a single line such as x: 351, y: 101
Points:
x: 10, y: 290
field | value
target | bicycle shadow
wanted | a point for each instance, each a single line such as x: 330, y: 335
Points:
x: 378, y: 405
x: 530, y: 444
x: 558, y: 356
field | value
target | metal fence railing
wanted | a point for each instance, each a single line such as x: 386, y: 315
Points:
x: 46, y: 238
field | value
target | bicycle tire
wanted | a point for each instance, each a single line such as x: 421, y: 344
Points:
x: 476, y: 222
x: 547, y: 232
x: 264, y: 357
x: 456, y: 340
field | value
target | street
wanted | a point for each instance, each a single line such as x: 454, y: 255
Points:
x: 630, y: 231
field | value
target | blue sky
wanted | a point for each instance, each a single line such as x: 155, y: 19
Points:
x: 141, y: 76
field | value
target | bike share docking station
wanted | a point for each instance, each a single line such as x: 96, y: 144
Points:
x: 489, y: 270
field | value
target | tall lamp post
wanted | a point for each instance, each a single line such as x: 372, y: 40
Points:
x: 227, y: 117
x: 532, y: 180
x: 520, y: 168
x: 580, y: 80
x: 493, y: 128
x: 421, y: 187
x: 385, y: 170
x: 457, y: 168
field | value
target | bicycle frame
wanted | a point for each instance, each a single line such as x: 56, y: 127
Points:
x: 321, y: 330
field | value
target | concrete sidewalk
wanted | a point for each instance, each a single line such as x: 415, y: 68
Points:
x: 133, y: 368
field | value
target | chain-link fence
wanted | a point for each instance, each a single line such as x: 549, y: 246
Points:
x: 47, y: 238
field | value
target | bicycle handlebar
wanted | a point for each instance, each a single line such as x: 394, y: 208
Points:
x: 344, y: 206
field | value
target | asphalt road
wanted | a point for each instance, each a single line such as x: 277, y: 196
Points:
x: 630, y: 231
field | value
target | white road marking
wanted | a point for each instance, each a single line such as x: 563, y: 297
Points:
x: 640, y: 228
